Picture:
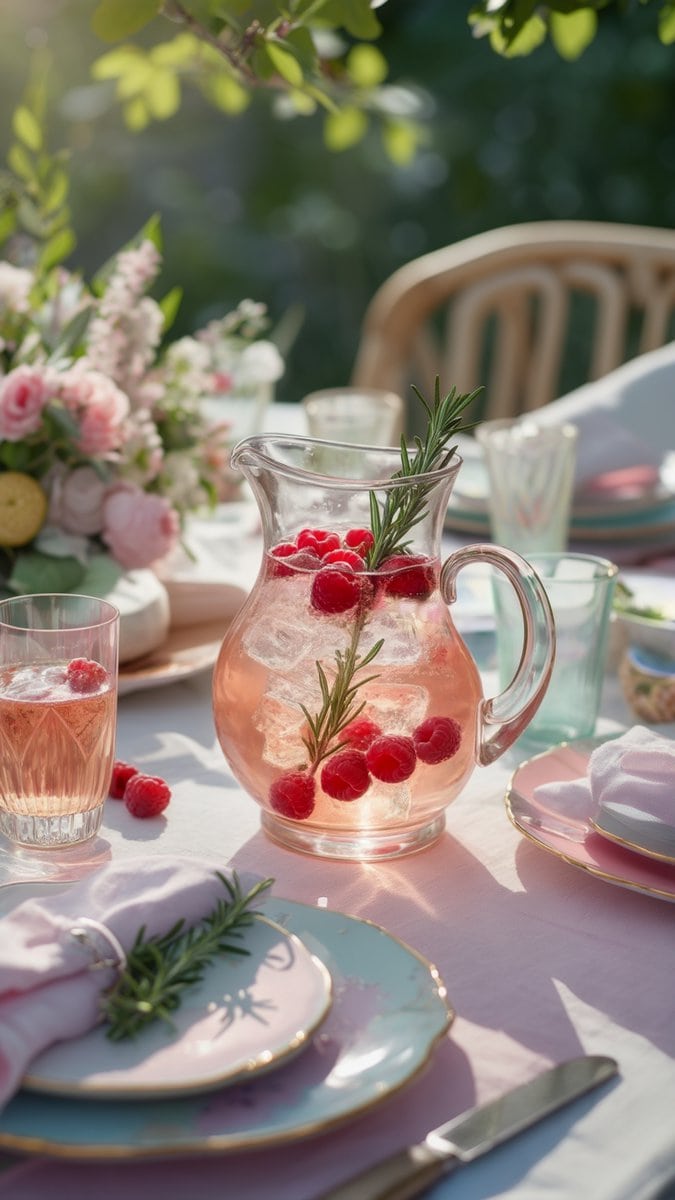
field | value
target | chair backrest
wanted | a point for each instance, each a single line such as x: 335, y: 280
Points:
x: 507, y: 309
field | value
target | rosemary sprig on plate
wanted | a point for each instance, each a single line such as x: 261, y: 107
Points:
x: 159, y: 969
x: 406, y: 506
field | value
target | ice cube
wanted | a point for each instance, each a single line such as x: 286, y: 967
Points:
x: 397, y: 628
x: 396, y: 708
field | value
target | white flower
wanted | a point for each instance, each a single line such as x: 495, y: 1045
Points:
x: 180, y: 481
x: 15, y: 286
x: 260, y: 362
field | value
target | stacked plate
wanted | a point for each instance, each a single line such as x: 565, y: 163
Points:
x: 621, y: 844
x: 325, y: 1017
x: 634, y: 507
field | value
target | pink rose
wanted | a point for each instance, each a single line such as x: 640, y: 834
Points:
x: 76, y: 501
x: 24, y: 393
x: 139, y: 528
x: 99, y: 407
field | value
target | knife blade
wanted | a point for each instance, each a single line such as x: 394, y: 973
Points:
x: 405, y: 1174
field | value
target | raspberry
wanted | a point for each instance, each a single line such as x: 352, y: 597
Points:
x: 350, y: 557
x: 280, y: 551
x: 360, y: 540
x: 345, y: 775
x: 84, y: 675
x: 121, y: 774
x: 146, y: 795
x: 437, y: 738
x: 413, y: 576
x: 292, y: 795
x: 361, y: 734
x: 391, y: 758
x: 319, y: 540
x: 335, y: 589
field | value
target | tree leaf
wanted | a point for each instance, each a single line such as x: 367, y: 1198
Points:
x: 116, y: 62
x: 56, y: 249
x: 285, y: 63
x: 666, y: 24
x: 162, y: 94
x: 72, y: 334
x: 57, y: 190
x: 345, y: 128
x: 400, y: 140
x: 571, y: 33
x: 356, y: 16
x: 27, y: 128
x: 21, y: 163
x: 136, y: 114
x: 532, y: 34
x: 169, y: 306
x: 115, y: 19
x: 7, y: 224
x: 221, y: 90
x: 35, y: 572
x: 367, y: 67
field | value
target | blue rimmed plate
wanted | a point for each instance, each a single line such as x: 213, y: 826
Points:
x: 389, y: 1011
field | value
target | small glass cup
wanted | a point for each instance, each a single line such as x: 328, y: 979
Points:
x: 360, y: 416
x: 57, y: 716
x: 531, y: 476
x: 580, y: 588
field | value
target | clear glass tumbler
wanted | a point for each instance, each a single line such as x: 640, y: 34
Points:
x: 531, y: 478
x: 58, y: 712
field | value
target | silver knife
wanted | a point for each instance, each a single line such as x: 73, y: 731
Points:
x: 407, y: 1173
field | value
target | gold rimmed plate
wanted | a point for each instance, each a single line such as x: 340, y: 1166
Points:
x: 390, y: 1010
x: 186, y: 652
x: 568, y: 833
x: 250, y: 1013
x: 636, y: 831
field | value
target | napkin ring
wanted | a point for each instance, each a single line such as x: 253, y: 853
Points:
x: 100, y: 941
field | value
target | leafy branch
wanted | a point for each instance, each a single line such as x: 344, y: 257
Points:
x: 310, y: 55
x: 159, y: 969
x: 405, y: 506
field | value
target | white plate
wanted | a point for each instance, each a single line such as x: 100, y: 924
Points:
x: 250, y: 1013
x: 570, y: 836
x: 389, y: 1011
x: 186, y: 652
x: 636, y: 831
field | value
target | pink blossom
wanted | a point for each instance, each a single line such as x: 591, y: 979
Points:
x: 24, y: 393
x: 100, y: 408
x: 139, y: 527
x: 76, y: 501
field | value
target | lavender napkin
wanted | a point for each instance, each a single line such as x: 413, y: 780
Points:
x: 51, y: 979
x: 630, y: 782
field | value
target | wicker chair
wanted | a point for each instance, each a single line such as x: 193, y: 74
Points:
x: 509, y: 309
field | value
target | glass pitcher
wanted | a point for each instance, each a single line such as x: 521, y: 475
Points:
x: 344, y: 699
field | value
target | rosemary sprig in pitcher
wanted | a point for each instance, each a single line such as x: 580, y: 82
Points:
x: 159, y: 969
x: 405, y: 506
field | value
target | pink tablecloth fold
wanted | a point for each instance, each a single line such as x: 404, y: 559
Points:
x: 48, y: 991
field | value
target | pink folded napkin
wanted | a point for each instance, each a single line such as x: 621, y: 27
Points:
x: 51, y: 981
x: 633, y: 772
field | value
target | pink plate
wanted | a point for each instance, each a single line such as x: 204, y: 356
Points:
x: 569, y: 834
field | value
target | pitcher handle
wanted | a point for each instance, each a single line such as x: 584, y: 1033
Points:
x: 503, y: 718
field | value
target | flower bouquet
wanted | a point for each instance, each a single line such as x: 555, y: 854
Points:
x: 106, y: 440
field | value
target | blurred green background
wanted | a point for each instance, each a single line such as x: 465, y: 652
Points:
x: 256, y: 206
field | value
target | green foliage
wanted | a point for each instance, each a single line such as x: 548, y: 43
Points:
x: 34, y: 192
x: 516, y: 27
x: 308, y: 54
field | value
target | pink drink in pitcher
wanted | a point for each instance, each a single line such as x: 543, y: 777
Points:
x: 407, y: 739
x: 344, y: 699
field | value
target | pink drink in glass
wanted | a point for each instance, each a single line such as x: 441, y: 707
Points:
x: 58, y: 706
